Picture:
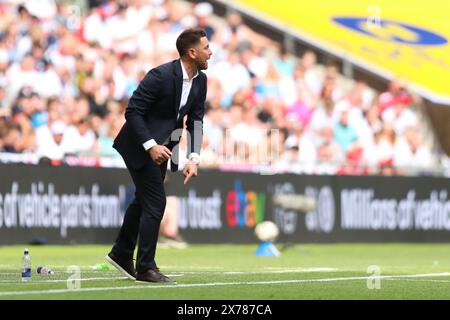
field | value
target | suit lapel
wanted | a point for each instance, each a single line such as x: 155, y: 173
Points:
x: 178, y: 84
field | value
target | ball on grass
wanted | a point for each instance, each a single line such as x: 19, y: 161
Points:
x: 266, y: 231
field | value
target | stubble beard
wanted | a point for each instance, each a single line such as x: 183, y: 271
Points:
x: 202, y: 65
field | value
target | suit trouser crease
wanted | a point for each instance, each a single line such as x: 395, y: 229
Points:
x: 143, y: 216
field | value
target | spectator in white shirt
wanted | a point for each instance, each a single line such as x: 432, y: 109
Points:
x: 213, y: 127
x: 382, y: 154
x: 411, y: 152
x: 23, y: 74
x: 401, y: 116
x: 96, y: 27
x: 231, y: 74
x: 312, y: 73
x: 249, y: 131
x: 307, y: 154
x: 78, y: 138
x: 325, y: 115
x: 49, y: 140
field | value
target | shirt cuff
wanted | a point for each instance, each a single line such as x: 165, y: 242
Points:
x: 194, y: 157
x: 149, y: 144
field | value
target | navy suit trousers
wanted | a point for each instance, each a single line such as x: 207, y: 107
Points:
x: 143, y: 216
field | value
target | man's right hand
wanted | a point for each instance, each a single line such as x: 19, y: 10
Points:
x: 159, y: 154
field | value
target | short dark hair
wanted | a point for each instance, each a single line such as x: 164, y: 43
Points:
x: 188, y: 38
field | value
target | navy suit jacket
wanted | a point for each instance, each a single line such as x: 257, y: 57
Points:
x: 152, y: 114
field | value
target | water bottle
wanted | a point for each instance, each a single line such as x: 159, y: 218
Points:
x: 26, y: 266
x: 44, y: 271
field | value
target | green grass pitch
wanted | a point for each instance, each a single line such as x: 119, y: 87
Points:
x: 310, y: 271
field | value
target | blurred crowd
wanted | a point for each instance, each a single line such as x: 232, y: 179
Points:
x: 67, y: 72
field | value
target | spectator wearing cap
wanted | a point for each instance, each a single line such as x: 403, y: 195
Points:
x: 202, y: 12
x: 42, y: 9
x: 289, y: 160
x: 49, y: 140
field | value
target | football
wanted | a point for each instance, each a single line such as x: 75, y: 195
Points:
x: 266, y: 231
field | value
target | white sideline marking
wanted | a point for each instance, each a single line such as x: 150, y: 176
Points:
x: 81, y: 279
x: 418, y: 280
x: 297, y: 270
x: 175, y: 273
x: 184, y: 274
x: 63, y: 280
x: 212, y: 284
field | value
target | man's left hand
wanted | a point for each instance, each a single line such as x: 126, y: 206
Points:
x: 190, y: 170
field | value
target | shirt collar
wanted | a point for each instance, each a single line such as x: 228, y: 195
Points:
x: 185, y: 75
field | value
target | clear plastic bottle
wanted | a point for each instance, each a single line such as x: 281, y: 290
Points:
x: 26, y: 266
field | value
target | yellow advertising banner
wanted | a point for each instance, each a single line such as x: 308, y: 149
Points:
x: 406, y: 39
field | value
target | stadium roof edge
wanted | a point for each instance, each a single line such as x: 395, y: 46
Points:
x: 267, y: 20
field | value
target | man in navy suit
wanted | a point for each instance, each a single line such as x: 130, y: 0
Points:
x: 154, y: 122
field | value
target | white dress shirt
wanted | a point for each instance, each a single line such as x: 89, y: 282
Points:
x: 186, y: 89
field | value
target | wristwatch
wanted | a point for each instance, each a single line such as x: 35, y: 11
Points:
x: 194, y: 158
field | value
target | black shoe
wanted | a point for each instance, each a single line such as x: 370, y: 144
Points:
x: 124, y: 266
x: 153, y: 275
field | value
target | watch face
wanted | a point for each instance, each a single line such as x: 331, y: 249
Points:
x: 194, y: 158
x: 195, y: 161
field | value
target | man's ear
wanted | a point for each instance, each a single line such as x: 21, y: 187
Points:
x: 192, y: 53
